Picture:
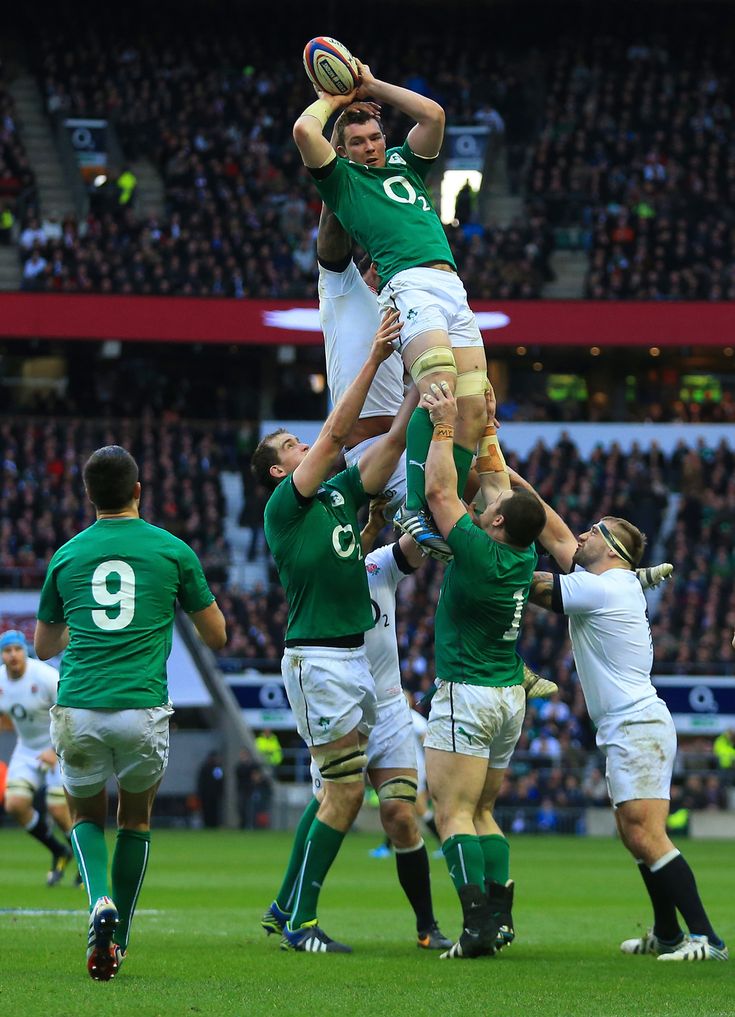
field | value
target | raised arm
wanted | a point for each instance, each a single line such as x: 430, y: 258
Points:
x: 425, y: 138
x: 378, y: 463
x: 441, y: 473
x: 308, y: 131
x: 556, y: 536
x: 333, y: 244
x: 321, y: 457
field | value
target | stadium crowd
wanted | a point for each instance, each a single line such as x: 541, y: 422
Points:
x: 635, y: 147
x: 17, y: 180
x: 43, y: 504
x: 240, y: 217
x: 622, y: 134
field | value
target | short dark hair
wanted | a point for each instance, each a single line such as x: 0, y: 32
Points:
x: 110, y: 476
x: 525, y: 517
x: 264, y: 457
x: 632, y: 539
x: 357, y: 113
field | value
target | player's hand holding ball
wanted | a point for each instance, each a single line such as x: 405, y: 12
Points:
x: 332, y: 70
x: 440, y: 403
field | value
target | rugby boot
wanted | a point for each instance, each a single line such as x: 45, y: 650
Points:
x: 500, y: 901
x: 480, y: 930
x: 422, y: 528
x: 311, y: 939
x: 433, y: 939
x: 696, y: 948
x: 650, y: 943
x: 102, y: 958
x: 274, y: 920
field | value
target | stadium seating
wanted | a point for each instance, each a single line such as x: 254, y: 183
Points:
x: 43, y: 504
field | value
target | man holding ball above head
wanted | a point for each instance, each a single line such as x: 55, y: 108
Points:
x: 380, y: 197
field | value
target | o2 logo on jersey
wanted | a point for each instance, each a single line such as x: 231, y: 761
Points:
x: 345, y: 543
x: 120, y: 598
x: 402, y: 190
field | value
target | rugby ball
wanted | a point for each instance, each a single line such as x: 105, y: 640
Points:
x: 330, y: 66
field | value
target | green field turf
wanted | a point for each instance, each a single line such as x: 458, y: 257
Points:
x: 197, y: 947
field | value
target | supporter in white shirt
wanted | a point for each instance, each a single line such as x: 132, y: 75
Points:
x: 601, y: 594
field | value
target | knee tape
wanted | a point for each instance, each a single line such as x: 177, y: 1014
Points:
x: 489, y: 457
x: 55, y: 796
x: 471, y: 383
x: 436, y: 358
x: 19, y: 789
x: 398, y: 789
x: 341, y: 765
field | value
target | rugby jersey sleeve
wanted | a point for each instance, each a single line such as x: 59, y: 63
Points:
x: 194, y: 592
x: 51, y: 606
x: 581, y: 592
x: 418, y: 163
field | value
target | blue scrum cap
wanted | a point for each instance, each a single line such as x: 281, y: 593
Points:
x: 13, y: 637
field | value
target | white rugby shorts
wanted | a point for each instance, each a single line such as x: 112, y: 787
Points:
x: 26, y: 772
x: 396, y: 486
x: 427, y: 299
x: 331, y: 692
x: 349, y: 316
x: 640, y: 749
x: 475, y: 720
x: 391, y: 745
x: 94, y: 745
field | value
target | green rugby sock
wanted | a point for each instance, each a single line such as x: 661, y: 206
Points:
x: 285, y: 896
x: 90, y: 851
x: 465, y: 860
x: 129, y: 862
x: 463, y: 463
x: 496, y: 851
x: 418, y: 439
x: 320, y: 850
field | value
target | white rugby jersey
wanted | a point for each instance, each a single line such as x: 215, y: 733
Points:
x: 27, y: 701
x: 349, y: 316
x: 381, y: 645
x: 611, y: 640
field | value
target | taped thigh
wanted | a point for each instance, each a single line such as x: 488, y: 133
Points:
x: 19, y: 788
x: 343, y: 766
x: 398, y: 789
x: 435, y: 359
x: 471, y: 383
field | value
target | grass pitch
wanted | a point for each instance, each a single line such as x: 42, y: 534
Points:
x: 197, y: 947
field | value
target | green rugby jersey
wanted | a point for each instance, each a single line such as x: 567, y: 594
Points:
x: 387, y: 209
x: 116, y: 585
x: 478, y: 617
x: 316, y: 546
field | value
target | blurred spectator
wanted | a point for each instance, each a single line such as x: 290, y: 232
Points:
x: 724, y: 749
x: 210, y: 789
x: 269, y: 747
x: 253, y: 793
